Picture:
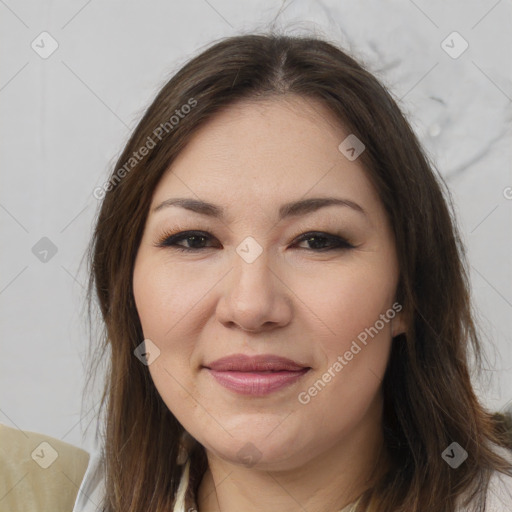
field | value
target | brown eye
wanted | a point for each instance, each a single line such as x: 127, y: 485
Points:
x: 194, y: 239
x: 323, y: 242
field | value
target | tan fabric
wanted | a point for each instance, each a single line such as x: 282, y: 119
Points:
x: 38, y: 472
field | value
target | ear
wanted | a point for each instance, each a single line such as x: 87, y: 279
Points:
x: 398, y: 322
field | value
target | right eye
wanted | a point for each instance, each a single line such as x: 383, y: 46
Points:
x: 193, y: 238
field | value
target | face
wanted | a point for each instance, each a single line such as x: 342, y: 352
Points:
x: 313, y: 284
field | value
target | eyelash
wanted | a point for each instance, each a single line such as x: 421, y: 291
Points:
x: 169, y: 240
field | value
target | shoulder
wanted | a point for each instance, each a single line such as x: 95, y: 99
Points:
x: 499, y: 494
x: 499, y: 491
x: 38, y: 472
x: 92, y: 489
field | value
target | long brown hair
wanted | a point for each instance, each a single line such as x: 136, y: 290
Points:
x: 429, y: 401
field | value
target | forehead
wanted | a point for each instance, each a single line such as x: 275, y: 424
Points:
x: 267, y: 152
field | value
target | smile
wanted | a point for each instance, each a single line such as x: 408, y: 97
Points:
x: 255, y: 375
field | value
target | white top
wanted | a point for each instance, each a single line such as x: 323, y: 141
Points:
x: 90, y: 494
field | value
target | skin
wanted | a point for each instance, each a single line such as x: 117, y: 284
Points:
x: 291, y: 301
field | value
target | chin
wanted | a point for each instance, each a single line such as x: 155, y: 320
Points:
x: 260, y: 451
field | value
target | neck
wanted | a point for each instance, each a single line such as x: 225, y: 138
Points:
x: 329, y: 481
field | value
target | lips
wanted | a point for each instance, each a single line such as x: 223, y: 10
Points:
x: 259, y: 363
x: 255, y: 375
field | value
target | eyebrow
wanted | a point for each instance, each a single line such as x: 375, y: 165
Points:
x: 293, y: 209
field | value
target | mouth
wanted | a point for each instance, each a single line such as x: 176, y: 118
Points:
x: 255, y: 375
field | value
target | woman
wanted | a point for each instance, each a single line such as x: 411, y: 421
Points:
x: 286, y: 303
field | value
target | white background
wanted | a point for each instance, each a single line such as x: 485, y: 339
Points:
x: 65, y: 119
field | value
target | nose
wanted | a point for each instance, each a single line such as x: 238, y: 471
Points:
x: 254, y: 297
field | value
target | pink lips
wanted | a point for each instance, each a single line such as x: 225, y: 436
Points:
x: 255, y: 375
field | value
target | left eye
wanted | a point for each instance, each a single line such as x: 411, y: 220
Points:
x: 328, y: 242
x: 322, y: 242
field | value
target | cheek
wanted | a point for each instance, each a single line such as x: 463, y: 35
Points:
x: 355, y: 344
x: 165, y: 294
x: 346, y: 302
x: 168, y: 302
x: 344, y: 389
